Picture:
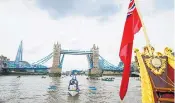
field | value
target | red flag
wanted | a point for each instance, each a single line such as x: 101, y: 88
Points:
x: 132, y: 26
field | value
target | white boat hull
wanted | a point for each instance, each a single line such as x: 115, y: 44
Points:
x: 73, y: 93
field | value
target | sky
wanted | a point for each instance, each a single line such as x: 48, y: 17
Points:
x: 77, y: 25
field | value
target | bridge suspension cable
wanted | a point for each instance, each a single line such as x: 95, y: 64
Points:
x: 105, y: 65
x: 43, y: 60
x: 106, y: 62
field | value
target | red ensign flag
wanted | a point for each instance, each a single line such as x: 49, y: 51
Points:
x: 132, y: 26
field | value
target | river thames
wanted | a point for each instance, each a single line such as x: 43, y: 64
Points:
x: 34, y: 89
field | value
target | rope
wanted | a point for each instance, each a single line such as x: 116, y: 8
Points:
x: 166, y: 81
x: 170, y: 81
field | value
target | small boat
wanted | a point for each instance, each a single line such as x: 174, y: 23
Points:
x: 18, y: 76
x: 107, y: 79
x: 92, y: 89
x: 43, y: 77
x: 52, y: 88
x: 94, y: 78
x: 73, y: 88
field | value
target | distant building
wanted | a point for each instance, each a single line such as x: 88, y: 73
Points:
x: 4, y: 58
x: 86, y: 72
x: 30, y: 70
x: 134, y: 66
x: 78, y: 72
x: 68, y: 72
x: 0, y: 66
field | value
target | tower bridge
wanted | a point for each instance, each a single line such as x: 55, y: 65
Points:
x: 97, y: 64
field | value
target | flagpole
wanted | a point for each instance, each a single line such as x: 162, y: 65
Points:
x: 144, y: 28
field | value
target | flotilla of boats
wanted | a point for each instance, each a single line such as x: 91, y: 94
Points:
x: 107, y: 79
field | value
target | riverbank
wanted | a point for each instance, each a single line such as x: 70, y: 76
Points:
x: 39, y: 73
x: 22, y: 73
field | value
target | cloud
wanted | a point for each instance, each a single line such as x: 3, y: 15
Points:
x: 21, y: 20
x: 160, y: 4
x: 61, y: 8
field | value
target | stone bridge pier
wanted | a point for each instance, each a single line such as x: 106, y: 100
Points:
x: 55, y: 71
x: 95, y: 71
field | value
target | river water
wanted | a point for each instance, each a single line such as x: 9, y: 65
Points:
x: 34, y: 89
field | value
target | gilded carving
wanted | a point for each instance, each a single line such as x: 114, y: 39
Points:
x: 156, y: 65
x: 171, y: 58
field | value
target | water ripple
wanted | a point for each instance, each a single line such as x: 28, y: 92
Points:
x: 34, y: 89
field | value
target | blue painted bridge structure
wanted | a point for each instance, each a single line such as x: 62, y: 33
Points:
x: 39, y: 65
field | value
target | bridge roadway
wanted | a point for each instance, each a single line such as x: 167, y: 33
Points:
x: 75, y: 52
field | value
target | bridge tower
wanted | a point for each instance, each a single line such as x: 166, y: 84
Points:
x: 55, y: 71
x: 95, y: 71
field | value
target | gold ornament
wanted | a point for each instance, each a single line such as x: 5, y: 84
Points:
x: 156, y: 62
x: 156, y: 65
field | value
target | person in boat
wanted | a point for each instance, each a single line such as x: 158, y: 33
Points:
x: 73, y: 84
